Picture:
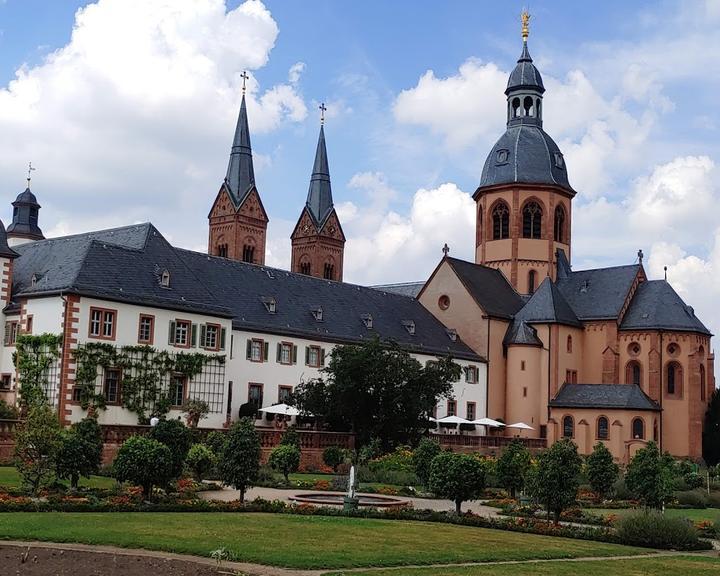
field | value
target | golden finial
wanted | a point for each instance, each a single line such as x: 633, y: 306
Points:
x: 525, y: 18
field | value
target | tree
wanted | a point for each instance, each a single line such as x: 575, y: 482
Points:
x: 333, y: 456
x: 601, y: 470
x: 379, y: 391
x: 285, y: 459
x: 80, y: 452
x: 195, y: 410
x: 650, y: 476
x: 144, y: 462
x: 458, y: 477
x: 200, y: 460
x: 422, y: 458
x: 176, y: 436
x: 8, y: 412
x: 37, y: 442
x: 240, y: 460
x: 711, y: 431
x: 554, y: 481
x: 512, y: 467
x: 216, y: 442
x: 291, y: 438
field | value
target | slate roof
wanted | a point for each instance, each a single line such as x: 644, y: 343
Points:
x: 655, y: 305
x: 319, y: 199
x: 521, y: 333
x: 606, y: 396
x: 5, y: 250
x: 548, y: 306
x: 411, y: 289
x: 598, y: 294
x: 343, y: 307
x: 525, y: 74
x: 240, y: 177
x: 489, y: 287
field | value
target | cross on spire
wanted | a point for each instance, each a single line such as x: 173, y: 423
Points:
x: 525, y: 19
x: 322, y: 109
x: 29, y: 176
x: 446, y: 249
x: 244, y: 77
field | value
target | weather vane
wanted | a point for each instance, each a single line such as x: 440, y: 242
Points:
x: 525, y: 18
x: 244, y: 76
x: 322, y: 109
x: 29, y: 176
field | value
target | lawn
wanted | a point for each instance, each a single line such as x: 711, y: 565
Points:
x: 9, y: 478
x: 694, y: 514
x: 299, y: 541
x: 668, y: 566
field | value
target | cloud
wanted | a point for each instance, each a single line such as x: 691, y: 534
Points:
x: 295, y: 72
x: 138, y: 110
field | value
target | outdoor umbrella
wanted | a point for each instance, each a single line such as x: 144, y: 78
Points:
x: 488, y: 422
x: 283, y: 409
x: 520, y: 426
x: 453, y: 420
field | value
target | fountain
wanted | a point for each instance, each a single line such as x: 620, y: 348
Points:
x: 350, y: 502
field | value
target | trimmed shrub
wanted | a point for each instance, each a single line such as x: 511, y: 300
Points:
x: 144, y: 462
x: 285, y: 459
x: 513, y: 466
x: 601, y: 470
x: 652, y: 529
x: 401, y: 460
x: 692, y: 498
x: 176, y: 436
x: 422, y: 458
x: 201, y: 460
x: 713, y: 500
x: 216, y: 442
x: 333, y: 456
x: 458, y: 477
x: 8, y: 412
x: 240, y: 461
x: 693, y: 480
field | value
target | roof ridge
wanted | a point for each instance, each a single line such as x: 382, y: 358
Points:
x: 92, y: 232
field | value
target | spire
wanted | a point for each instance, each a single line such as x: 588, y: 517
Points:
x: 240, y: 173
x: 319, y: 200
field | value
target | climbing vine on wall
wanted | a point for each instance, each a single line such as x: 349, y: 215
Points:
x: 145, y: 371
x: 35, y: 358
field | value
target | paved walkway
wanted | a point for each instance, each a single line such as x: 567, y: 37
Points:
x: 228, y: 494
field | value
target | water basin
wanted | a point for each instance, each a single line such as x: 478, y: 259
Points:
x: 336, y: 499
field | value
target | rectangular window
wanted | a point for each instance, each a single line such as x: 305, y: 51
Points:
x: 257, y: 350
x: 255, y: 397
x: 146, y: 329
x: 11, y: 330
x: 178, y: 384
x: 76, y: 394
x: 29, y: 325
x: 285, y: 353
x: 571, y: 376
x: 471, y: 374
x: 5, y: 381
x: 111, y: 386
x: 284, y: 393
x: 314, y: 356
x: 470, y: 411
x: 522, y: 364
x: 102, y: 323
x: 451, y: 408
x: 182, y: 333
x: 524, y: 391
x: 210, y: 336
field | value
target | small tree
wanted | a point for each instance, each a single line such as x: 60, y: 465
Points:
x: 554, y: 480
x: 650, y: 476
x: 80, y: 452
x: 512, y: 467
x: 458, y: 477
x: 291, y: 438
x: 601, y: 470
x: 422, y: 458
x: 195, y: 410
x: 200, y: 460
x: 240, y: 461
x: 144, y: 462
x: 285, y: 459
x: 177, y: 437
x: 333, y: 456
x: 216, y: 442
x: 37, y: 442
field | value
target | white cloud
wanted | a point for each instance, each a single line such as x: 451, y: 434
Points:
x: 295, y: 72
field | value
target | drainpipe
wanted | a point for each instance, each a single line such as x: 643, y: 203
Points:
x: 487, y: 371
x: 63, y: 349
x: 662, y: 390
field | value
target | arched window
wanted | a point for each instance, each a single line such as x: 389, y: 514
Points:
x: 532, y: 281
x: 568, y: 427
x: 222, y: 250
x: 248, y: 253
x: 539, y: 109
x: 532, y: 220
x: 329, y: 269
x: 674, y: 379
x: 516, y: 107
x: 501, y: 221
x: 528, y: 106
x: 569, y: 344
x: 633, y: 373
x: 603, y: 431
x: 702, y: 382
x: 479, y: 227
x: 638, y: 429
x: 559, y: 227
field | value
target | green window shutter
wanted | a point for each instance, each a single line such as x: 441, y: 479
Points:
x: 322, y: 356
x: 294, y: 354
x: 249, y: 349
x: 466, y: 369
x: 267, y: 351
x: 203, y: 334
x: 307, y: 355
x: 193, y: 335
x: 7, y: 333
x: 171, y: 334
x: 223, y: 333
x: 278, y: 353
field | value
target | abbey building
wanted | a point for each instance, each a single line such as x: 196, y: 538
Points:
x: 594, y: 355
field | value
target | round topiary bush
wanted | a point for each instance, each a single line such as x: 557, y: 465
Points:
x: 285, y: 459
x: 653, y: 529
x: 144, y: 462
x: 176, y: 436
x: 200, y: 460
x: 333, y: 456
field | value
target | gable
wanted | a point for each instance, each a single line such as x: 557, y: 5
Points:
x: 331, y: 228
x: 223, y: 205
x: 252, y: 207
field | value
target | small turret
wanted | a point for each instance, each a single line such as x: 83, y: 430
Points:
x: 24, y: 227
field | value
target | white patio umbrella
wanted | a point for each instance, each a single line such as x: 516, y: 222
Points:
x: 488, y: 422
x: 282, y: 409
x: 453, y: 420
x: 520, y: 426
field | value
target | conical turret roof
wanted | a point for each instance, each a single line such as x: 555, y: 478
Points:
x: 240, y: 176
x: 319, y: 199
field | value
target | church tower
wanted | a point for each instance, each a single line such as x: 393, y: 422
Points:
x: 238, y: 221
x: 24, y: 226
x: 318, y: 242
x: 524, y: 201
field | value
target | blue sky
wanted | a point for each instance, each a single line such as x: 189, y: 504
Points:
x: 130, y: 118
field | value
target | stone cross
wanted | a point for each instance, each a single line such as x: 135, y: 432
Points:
x: 446, y: 249
x: 244, y: 76
x: 322, y: 109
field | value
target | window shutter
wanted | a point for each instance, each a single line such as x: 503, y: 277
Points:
x: 222, y: 338
x: 203, y: 335
x: 322, y: 356
x: 466, y: 369
x: 249, y: 349
x: 278, y: 355
x: 267, y: 351
x: 307, y: 355
x: 7, y: 333
x: 294, y: 354
x: 171, y: 335
x: 193, y: 335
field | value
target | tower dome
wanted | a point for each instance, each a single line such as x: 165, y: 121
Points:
x: 24, y: 226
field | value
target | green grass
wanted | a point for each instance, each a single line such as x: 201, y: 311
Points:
x: 299, y: 541
x: 9, y: 478
x: 694, y: 514
x: 302, y: 477
x: 667, y: 566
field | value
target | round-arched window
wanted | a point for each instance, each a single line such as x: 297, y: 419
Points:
x: 638, y: 429
x: 568, y: 427
x: 603, y: 430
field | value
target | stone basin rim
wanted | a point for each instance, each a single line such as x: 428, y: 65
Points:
x: 336, y: 499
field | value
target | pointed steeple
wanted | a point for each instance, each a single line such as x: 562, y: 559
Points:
x: 240, y: 173
x: 319, y: 199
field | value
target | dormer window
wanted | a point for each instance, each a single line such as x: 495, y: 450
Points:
x: 270, y: 304
x: 409, y: 326
x: 452, y: 334
x: 318, y: 313
x: 165, y: 279
x: 34, y: 280
x: 559, y: 160
x: 585, y: 286
x: 368, y: 321
x: 502, y: 156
